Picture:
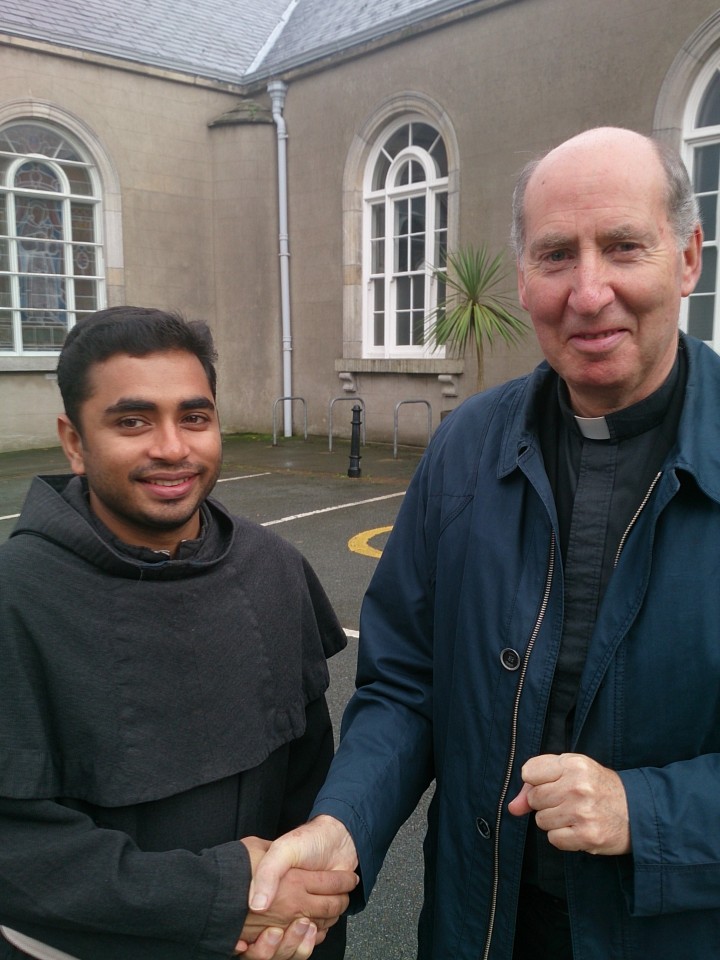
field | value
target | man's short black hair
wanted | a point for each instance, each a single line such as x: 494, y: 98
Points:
x: 136, y: 331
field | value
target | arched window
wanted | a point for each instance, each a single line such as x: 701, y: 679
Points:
x: 51, y: 257
x: 405, y: 230
x: 702, y: 139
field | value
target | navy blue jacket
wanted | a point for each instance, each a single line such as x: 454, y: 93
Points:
x: 459, y: 637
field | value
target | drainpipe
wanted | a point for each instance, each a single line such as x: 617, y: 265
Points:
x: 277, y: 90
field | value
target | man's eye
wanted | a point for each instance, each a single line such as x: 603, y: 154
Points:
x: 557, y: 256
x: 196, y: 419
x: 130, y: 423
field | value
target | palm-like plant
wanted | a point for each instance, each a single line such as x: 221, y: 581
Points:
x: 471, y: 309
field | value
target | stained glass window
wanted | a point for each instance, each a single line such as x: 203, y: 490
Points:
x: 406, y: 237
x: 51, y: 262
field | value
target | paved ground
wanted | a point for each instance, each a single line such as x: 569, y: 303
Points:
x: 304, y: 492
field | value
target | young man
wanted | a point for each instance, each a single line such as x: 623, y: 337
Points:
x: 163, y: 677
x: 541, y: 633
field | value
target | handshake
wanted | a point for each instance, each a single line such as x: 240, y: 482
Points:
x: 300, y: 887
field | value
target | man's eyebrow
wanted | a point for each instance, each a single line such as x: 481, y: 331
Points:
x: 138, y: 405
x: 197, y: 403
x: 549, y: 241
x: 130, y: 405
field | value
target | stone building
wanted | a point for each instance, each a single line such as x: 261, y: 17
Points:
x: 291, y: 171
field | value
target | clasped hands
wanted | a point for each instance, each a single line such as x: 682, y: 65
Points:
x: 300, y: 904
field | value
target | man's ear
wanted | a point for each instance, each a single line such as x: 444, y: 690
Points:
x: 71, y: 443
x: 692, y: 262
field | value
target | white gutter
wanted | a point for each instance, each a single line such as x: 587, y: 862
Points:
x: 277, y: 90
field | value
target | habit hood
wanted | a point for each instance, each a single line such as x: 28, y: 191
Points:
x: 144, y: 669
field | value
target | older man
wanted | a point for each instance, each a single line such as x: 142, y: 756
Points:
x: 541, y: 634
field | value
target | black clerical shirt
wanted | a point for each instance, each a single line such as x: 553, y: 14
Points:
x: 598, y: 485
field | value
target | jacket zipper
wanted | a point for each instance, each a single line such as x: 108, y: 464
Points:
x: 637, y: 513
x: 513, y: 746
x: 516, y: 707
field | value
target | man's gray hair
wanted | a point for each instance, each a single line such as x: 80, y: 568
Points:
x: 682, y: 206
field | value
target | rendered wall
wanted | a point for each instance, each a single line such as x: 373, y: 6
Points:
x: 513, y: 82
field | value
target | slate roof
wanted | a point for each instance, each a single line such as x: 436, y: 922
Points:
x: 230, y: 40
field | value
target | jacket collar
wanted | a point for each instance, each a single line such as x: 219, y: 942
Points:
x: 697, y: 450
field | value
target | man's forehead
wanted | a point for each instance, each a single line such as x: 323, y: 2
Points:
x: 159, y: 373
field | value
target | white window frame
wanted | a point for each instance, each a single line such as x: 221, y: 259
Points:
x: 432, y: 186
x: 694, y: 137
x: 64, y: 197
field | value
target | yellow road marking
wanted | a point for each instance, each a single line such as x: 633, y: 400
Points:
x: 360, y: 542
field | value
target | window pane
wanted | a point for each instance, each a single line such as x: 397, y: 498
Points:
x: 708, y: 215
x: 403, y: 293
x: 43, y: 331
x: 439, y: 155
x: 3, y: 217
x: 79, y: 180
x: 402, y: 177
x: 708, y: 277
x: 418, y: 331
x: 403, y: 329
x: 379, y: 313
x: 82, y: 219
x: 37, y: 176
x: 42, y: 293
x: 708, y: 114
x: 417, y: 252
x: 4, y: 255
x: 402, y: 223
x: 700, y: 316
x: 86, y: 298
x: 378, y: 256
x: 84, y: 261
x: 398, y: 141
x: 418, y: 312
x: 707, y: 163
x: 378, y: 220
x: 417, y: 172
x: 423, y: 135
x: 38, y: 218
x: 5, y: 293
x: 6, y: 331
x: 381, y: 171
x: 417, y: 210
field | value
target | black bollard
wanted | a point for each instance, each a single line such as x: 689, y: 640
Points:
x: 354, y: 468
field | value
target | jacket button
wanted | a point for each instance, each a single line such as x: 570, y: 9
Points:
x: 483, y: 828
x: 510, y: 658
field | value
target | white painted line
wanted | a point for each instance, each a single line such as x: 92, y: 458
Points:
x: 295, y: 516
x: 247, y: 476
x: 353, y: 634
x: 340, y: 506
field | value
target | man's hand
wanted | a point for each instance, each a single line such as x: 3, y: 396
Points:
x: 322, y: 844
x: 306, y: 904
x: 580, y: 804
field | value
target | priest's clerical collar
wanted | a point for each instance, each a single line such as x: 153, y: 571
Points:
x: 630, y: 422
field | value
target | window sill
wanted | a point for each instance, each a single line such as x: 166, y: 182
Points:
x: 408, y: 365
x: 29, y: 364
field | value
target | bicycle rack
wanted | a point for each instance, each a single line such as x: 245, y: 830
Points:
x: 279, y: 400
x: 395, y: 421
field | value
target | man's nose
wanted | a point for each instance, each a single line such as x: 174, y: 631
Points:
x: 169, y: 443
x: 591, y: 289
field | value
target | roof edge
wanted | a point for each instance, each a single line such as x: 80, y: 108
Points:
x: 443, y: 13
